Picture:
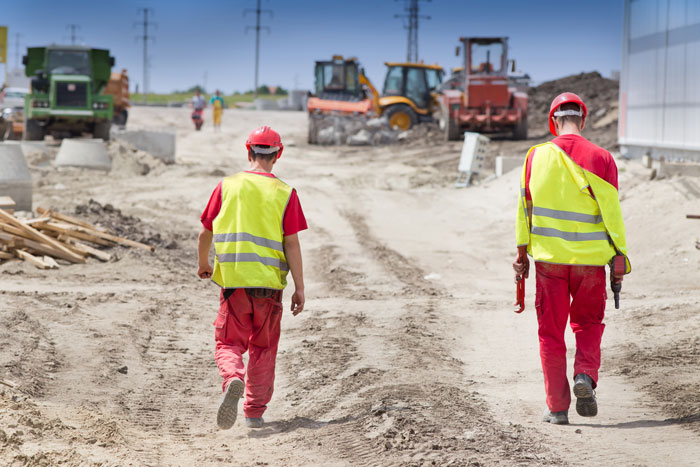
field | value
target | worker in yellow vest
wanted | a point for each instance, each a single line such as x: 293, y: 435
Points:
x: 254, y: 219
x: 217, y: 104
x: 569, y: 220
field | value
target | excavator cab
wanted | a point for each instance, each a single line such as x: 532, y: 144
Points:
x: 338, y: 79
x: 409, y: 91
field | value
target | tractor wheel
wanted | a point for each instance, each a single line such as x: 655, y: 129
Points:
x: 33, y: 131
x: 101, y: 130
x: 313, y: 131
x: 449, y: 127
x: 120, y: 118
x: 400, y: 116
x: 520, y: 130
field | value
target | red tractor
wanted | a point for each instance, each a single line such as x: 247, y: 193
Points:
x: 482, y: 99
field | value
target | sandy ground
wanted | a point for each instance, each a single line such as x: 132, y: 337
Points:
x: 408, y: 352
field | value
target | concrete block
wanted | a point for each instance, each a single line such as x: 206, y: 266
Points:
x: 85, y: 153
x: 160, y: 144
x: 266, y: 104
x: 361, y: 138
x: 646, y: 161
x: 505, y: 164
x: 670, y: 169
x: 15, y: 179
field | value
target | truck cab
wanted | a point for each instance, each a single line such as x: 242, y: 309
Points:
x: 485, y: 101
x: 66, y: 97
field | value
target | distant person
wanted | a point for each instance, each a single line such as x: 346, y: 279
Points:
x: 253, y: 219
x: 217, y: 103
x: 198, y: 102
x: 569, y: 220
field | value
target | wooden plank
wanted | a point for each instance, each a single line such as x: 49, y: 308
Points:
x: 6, y: 201
x: 38, y: 220
x: 73, y: 232
x: 40, y: 237
x: 69, y: 219
x: 692, y: 216
x: 98, y: 234
x: 39, y: 263
x: 87, y: 249
x: 51, y: 262
x: 14, y: 230
x: 20, y: 242
x: 6, y: 255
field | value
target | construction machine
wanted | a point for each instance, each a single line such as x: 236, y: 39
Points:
x: 485, y: 101
x: 118, y: 88
x: 66, y: 96
x: 343, y: 90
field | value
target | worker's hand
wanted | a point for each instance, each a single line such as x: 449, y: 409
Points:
x: 297, y: 302
x: 616, y: 279
x: 521, y: 266
x: 205, y: 271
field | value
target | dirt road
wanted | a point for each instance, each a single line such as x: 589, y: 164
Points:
x: 408, y: 352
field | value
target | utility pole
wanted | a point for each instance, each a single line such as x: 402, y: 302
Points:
x: 17, y: 36
x: 145, y: 37
x: 73, y: 28
x: 411, y: 7
x: 257, y: 28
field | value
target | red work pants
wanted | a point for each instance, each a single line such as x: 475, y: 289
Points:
x: 246, y: 323
x: 576, y: 293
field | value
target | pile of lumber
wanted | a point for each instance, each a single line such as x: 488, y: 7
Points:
x: 53, y: 237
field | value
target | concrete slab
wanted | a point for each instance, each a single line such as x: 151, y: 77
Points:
x: 505, y: 164
x: 85, y: 153
x: 160, y: 144
x: 15, y: 179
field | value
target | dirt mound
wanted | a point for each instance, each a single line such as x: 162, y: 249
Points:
x: 114, y: 221
x: 600, y: 95
x: 129, y: 161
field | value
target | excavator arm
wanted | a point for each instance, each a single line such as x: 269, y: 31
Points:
x: 374, y: 98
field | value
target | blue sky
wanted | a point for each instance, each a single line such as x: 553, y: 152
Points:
x: 548, y: 38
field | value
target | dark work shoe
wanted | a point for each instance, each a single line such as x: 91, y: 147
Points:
x: 228, y: 407
x: 556, y: 418
x: 586, y: 405
x: 254, y: 422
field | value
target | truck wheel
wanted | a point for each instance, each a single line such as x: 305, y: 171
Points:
x: 449, y: 127
x: 121, y: 118
x: 101, y: 130
x: 520, y: 130
x: 313, y: 131
x: 33, y: 131
x: 400, y: 116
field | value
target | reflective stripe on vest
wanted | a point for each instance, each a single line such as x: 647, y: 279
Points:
x: 248, y: 233
x: 569, y: 224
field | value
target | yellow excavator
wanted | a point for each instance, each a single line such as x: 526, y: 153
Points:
x: 343, y: 89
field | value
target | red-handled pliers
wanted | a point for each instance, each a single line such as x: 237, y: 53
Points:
x: 520, y: 281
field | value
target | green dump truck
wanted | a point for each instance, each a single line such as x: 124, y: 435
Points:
x: 66, y: 92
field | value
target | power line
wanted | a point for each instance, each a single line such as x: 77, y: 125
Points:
x: 411, y: 7
x: 73, y: 28
x: 257, y: 28
x: 145, y: 37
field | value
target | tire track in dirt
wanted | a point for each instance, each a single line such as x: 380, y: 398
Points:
x: 413, y: 412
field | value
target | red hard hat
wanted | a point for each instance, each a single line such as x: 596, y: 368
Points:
x: 265, y: 136
x: 565, y: 98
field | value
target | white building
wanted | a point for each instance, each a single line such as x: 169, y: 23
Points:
x: 660, y: 79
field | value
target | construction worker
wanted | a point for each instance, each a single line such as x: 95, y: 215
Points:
x: 569, y: 220
x: 253, y: 219
x: 217, y: 104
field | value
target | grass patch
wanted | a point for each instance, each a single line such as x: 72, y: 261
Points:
x: 178, y: 97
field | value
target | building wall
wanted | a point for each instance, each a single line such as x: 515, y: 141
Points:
x: 660, y: 80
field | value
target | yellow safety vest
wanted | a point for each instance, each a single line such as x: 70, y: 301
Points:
x: 248, y: 234
x: 569, y: 225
